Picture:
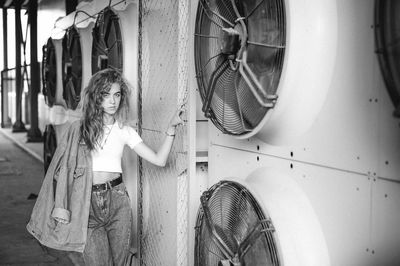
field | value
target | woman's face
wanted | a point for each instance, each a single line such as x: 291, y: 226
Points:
x: 111, y: 99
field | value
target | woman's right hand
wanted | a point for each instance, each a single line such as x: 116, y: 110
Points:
x: 175, y: 120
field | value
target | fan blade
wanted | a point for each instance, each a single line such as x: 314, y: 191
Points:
x: 257, y: 231
x: 113, y: 45
x: 250, y: 239
x: 109, y: 22
x: 208, y: 61
x: 211, y: 228
x: 254, y: 9
x: 241, y: 108
x: 100, y: 45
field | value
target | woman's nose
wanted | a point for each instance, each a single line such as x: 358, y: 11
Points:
x: 112, y: 99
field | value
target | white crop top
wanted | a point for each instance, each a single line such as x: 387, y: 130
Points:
x: 107, y: 156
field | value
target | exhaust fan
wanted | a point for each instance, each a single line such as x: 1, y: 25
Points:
x: 107, y: 42
x: 49, y: 72
x: 239, y: 52
x: 232, y: 229
x: 71, y: 68
x: 387, y: 36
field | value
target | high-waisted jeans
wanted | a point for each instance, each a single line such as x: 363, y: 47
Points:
x: 109, y: 228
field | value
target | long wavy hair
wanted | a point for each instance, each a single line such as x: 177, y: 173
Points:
x: 92, y: 123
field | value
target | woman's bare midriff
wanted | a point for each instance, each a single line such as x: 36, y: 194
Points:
x: 100, y: 177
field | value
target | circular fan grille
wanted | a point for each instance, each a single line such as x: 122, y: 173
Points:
x: 49, y: 72
x: 387, y: 35
x: 239, y: 51
x: 232, y: 229
x: 107, y: 43
x: 72, y: 68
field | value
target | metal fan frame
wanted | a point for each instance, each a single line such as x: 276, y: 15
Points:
x: 49, y: 63
x: 263, y: 228
x: 72, y: 73
x: 101, y: 50
x: 311, y: 41
x: 232, y: 35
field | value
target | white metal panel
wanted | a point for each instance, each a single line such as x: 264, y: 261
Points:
x: 341, y: 200
x: 345, y: 133
x: 388, y: 150
x: 297, y: 232
x: 311, y: 46
x: 129, y: 34
x: 386, y: 220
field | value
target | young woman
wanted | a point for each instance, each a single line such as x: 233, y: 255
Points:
x: 88, y: 210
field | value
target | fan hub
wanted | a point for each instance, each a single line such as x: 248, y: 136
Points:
x: 230, y: 41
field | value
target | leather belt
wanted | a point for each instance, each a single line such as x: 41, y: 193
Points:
x: 107, y: 185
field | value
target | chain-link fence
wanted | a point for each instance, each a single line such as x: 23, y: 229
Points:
x: 163, y: 204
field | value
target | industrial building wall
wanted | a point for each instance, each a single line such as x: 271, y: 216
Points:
x: 348, y: 162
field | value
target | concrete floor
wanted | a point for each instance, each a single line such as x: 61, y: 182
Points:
x: 21, y: 175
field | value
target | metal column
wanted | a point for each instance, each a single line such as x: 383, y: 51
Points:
x: 5, y: 119
x: 34, y: 134
x: 18, y: 126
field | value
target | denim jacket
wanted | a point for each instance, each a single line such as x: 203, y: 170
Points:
x: 60, y: 216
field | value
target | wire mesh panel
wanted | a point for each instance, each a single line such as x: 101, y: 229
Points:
x: 162, y: 83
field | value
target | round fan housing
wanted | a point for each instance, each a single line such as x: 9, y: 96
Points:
x: 265, y: 67
x: 107, y: 43
x: 264, y: 218
x: 232, y: 229
x: 49, y: 72
x: 239, y: 52
x: 387, y: 39
x: 71, y: 68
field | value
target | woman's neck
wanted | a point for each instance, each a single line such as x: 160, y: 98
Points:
x: 108, y: 119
